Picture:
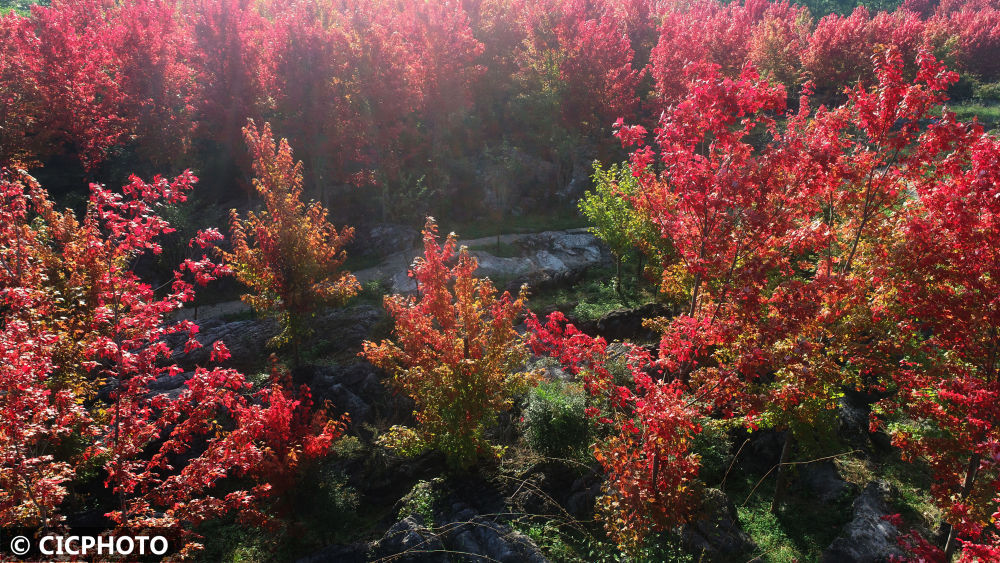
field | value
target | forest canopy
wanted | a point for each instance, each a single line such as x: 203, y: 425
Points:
x: 788, y: 288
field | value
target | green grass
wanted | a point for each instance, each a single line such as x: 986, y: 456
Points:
x: 354, y: 262
x: 987, y: 113
x: 593, y: 296
x: 502, y: 250
x: 550, y: 538
x: 912, y: 482
x: 805, y: 528
x: 22, y: 7
x: 561, y: 220
x: 372, y: 293
x: 800, y: 532
x: 586, y: 542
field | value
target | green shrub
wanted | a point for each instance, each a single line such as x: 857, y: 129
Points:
x: 989, y: 91
x: 963, y: 89
x: 633, y: 239
x: 600, y: 299
x: 661, y: 546
x: 326, y: 507
x: 715, y: 447
x: 555, y: 423
x: 422, y: 500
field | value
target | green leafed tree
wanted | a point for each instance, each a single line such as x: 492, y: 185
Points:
x: 630, y: 235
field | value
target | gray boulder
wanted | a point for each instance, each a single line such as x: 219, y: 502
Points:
x: 342, y: 329
x: 245, y: 339
x: 823, y: 482
x: 560, y: 256
x: 498, y: 268
x: 476, y: 538
x: 458, y: 532
x: 716, y: 533
x: 383, y: 240
x: 410, y: 540
x: 550, y: 367
x: 762, y: 451
x: 356, y: 388
x: 170, y: 382
x: 852, y: 418
x: 868, y: 537
x: 547, y: 258
x: 583, y: 495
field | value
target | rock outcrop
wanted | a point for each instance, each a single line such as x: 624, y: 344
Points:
x: 823, y: 483
x: 547, y: 258
x: 356, y: 388
x: 716, y: 534
x: 458, y: 532
x: 868, y: 537
x: 343, y: 329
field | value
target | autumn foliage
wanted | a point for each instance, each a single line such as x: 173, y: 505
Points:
x: 455, y: 353
x: 652, y: 473
x: 947, y: 385
x: 861, y: 219
x: 83, y: 339
x: 288, y: 254
x: 385, y: 92
x: 810, y: 213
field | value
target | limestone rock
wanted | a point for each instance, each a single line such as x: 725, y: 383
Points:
x: 410, y: 540
x: 546, y: 258
x: 868, y: 537
x: 823, y: 482
x: 343, y: 329
x: 716, y: 533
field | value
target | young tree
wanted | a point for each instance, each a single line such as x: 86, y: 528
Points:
x: 387, y: 67
x: 443, y: 68
x: 456, y: 354
x: 75, y: 317
x: 969, y: 34
x: 778, y: 41
x: 153, y: 45
x: 596, y: 68
x: 288, y: 254
x: 843, y: 49
x: 702, y: 31
x: 776, y: 240
x: 615, y: 220
x: 944, y: 282
x: 651, y: 471
x: 232, y: 60
x: 72, y: 75
x: 317, y: 98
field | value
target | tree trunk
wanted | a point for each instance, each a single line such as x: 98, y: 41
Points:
x: 694, y: 295
x: 970, y: 478
x: 779, y: 487
x: 618, y: 280
x: 656, y: 476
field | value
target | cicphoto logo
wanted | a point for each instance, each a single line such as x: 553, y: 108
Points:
x: 92, y: 546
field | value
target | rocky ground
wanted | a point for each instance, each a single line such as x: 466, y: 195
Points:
x: 543, y: 259
x: 428, y: 514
